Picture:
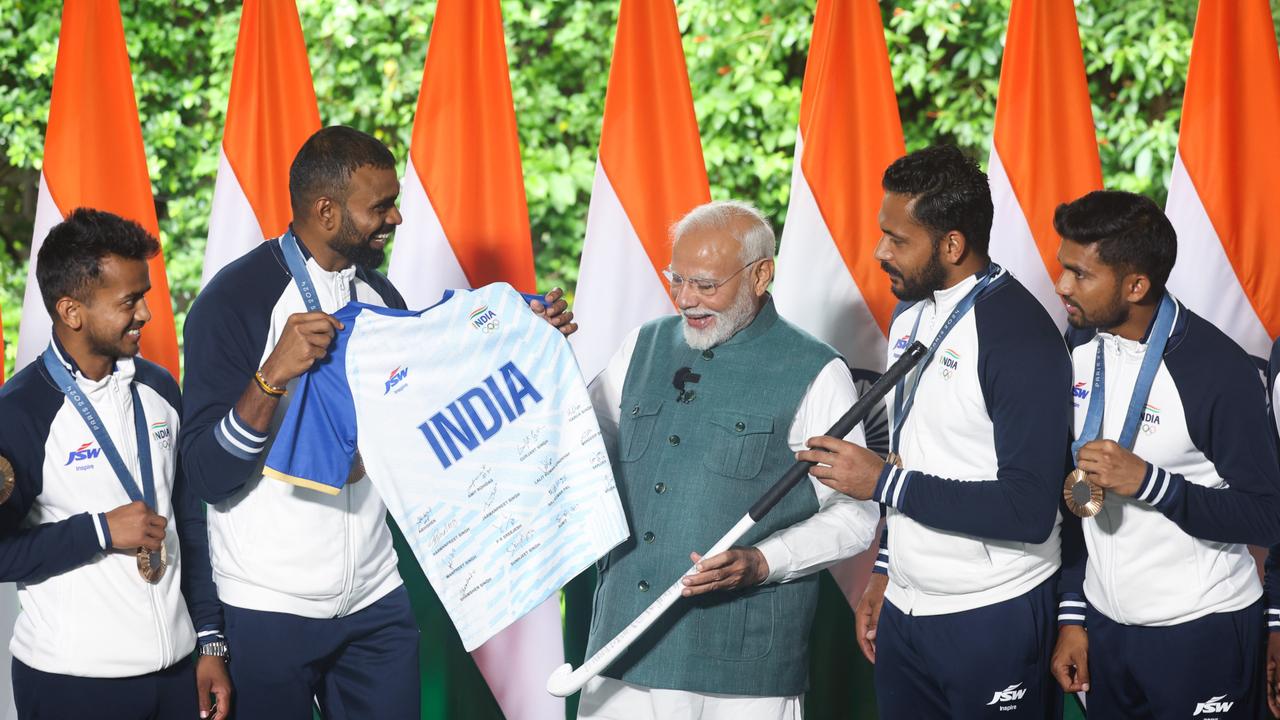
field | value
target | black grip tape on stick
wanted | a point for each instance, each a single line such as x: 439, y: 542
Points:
x: 847, y: 422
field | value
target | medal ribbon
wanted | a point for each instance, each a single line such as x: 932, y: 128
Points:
x: 62, y: 378
x: 901, y: 410
x: 298, y: 269
x: 1160, y: 331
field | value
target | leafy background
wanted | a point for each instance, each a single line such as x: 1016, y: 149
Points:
x: 746, y: 63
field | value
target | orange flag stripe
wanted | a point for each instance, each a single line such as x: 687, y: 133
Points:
x: 1044, y: 123
x: 649, y: 143
x: 1229, y: 142
x: 465, y: 146
x: 851, y: 131
x: 272, y: 108
x: 93, y: 152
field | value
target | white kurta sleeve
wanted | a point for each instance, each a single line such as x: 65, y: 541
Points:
x: 843, y: 526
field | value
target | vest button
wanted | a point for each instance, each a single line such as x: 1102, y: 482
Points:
x: 635, y: 411
x: 674, y: 440
x: 740, y: 426
x: 644, y: 586
x: 660, y: 488
x: 648, y: 537
x: 707, y: 354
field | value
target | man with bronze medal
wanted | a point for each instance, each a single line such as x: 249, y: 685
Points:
x: 98, y: 528
x: 1176, y: 473
x: 958, y: 618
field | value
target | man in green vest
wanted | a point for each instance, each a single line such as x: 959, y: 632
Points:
x: 702, y: 412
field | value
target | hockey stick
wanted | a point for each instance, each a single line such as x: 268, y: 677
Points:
x: 565, y: 681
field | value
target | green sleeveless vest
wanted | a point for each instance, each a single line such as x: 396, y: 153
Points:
x: 688, y: 469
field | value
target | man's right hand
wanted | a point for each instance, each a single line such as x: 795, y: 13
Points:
x: 304, y: 340
x: 1070, y: 663
x: 135, y: 525
x: 867, y: 616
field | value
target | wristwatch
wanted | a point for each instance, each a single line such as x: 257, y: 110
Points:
x: 216, y: 648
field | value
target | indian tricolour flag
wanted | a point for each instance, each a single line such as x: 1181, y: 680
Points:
x: 649, y: 173
x: 1226, y: 174
x: 270, y: 113
x: 466, y: 224
x: 1045, y: 150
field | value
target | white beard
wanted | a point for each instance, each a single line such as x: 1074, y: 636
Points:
x: 727, y: 322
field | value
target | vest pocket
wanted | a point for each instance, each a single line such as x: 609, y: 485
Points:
x: 737, y: 629
x: 737, y: 443
x: 639, y: 417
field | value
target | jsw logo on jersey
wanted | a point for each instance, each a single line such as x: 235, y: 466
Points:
x: 397, y: 376
x: 902, y: 343
x: 82, y: 453
x: 1079, y: 392
x: 1009, y: 694
x: 1214, y: 704
x: 478, y: 414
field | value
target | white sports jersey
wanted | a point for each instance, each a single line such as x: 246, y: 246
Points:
x: 473, y: 422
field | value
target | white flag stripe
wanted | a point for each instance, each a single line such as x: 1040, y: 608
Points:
x: 618, y: 289
x: 423, y: 265
x: 1012, y: 245
x: 1203, y: 278
x: 813, y: 288
x: 525, y: 653
x: 233, y: 227
x: 35, y: 328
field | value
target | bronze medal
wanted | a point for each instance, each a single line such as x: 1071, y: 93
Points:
x: 7, y: 478
x: 894, y: 459
x: 1082, y: 497
x: 152, y: 563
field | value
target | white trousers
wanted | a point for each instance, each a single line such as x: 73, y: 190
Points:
x: 608, y: 699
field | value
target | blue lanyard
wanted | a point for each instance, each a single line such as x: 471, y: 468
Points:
x: 298, y: 269
x: 901, y: 410
x: 62, y: 378
x: 1160, y: 331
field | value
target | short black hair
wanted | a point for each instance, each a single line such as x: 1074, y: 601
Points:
x: 326, y: 161
x: 1132, y: 233
x: 950, y: 193
x: 70, y: 260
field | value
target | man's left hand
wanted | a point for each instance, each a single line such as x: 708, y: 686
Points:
x: 733, y: 568
x: 1110, y: 466
x: 843, y: 466
x: 555, y: 309
x: 212, y: 679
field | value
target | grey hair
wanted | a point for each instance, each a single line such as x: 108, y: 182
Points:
x: 742, y: 220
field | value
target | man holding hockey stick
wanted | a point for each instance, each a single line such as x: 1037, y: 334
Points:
x: 702, y: 412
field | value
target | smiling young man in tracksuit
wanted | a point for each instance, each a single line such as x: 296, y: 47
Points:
x: 97, y: 526
x: 1161, y: 613
x: 966, y: 612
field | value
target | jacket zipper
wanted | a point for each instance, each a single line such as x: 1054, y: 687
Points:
x: 342, y: 289
x: 126, y: 434
x: 1111, y: 406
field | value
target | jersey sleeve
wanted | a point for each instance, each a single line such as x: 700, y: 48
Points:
x: 316, y: 443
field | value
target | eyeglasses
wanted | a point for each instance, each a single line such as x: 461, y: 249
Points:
x: 703, y: 286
